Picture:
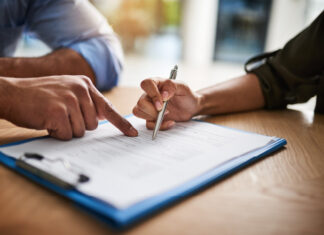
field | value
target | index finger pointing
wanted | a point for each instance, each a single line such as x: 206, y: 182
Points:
x: 105, y: 109
x: 118, y: 121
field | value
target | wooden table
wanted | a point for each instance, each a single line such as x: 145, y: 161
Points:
x: 281, y: 194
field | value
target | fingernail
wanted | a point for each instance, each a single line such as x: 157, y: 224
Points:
x: 133, y: 131
x: 165, y: 95
x: 158, y: 105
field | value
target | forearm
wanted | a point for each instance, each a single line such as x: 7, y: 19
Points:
x: 5, y: 96
x: 239, y: 94
x: 60, y: 62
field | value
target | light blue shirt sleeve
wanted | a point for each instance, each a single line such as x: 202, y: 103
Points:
x: 76, y: 24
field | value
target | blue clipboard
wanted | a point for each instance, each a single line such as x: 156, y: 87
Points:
x: 122, y: 218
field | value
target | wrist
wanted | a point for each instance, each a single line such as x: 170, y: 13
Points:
x: 203, y: 103
x: 209, y: 102
x: 201, y: 99
x: 6, y: 96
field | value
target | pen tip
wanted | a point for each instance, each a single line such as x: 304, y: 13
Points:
x: 176, y: 67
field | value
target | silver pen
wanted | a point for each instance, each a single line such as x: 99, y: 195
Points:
x: 160, y: 116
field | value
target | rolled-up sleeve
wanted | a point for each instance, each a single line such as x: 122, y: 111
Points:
x: 294, y: 73
x: 76, y: 24
x: 103, y: 61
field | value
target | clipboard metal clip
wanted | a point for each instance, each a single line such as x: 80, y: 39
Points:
x: 67, y: 183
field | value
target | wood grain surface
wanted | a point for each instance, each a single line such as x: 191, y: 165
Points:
x: 281, y: 194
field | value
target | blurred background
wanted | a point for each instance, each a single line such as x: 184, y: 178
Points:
x: 209, y: 39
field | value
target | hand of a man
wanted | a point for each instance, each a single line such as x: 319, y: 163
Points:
x: 66, y: 106
x: 182, y: 106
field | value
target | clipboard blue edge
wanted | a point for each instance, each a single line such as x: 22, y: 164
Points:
x: 123, y: 218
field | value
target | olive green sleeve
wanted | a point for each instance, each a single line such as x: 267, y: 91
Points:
x: 292, y: 74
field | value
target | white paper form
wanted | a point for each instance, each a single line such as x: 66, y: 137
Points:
x: 125, y: 170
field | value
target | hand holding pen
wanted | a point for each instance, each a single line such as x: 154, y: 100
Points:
x: 183, y: 104
x: 173, y: 76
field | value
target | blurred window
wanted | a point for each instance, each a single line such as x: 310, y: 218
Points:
x: 241, y: 29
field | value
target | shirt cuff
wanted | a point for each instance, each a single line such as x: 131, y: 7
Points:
x: 103, y: 61
x: 270, y: 85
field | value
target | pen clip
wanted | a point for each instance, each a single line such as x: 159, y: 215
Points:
x: 173, y: 73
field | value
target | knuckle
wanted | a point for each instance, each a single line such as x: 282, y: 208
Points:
x: 147, y: 82
x: 80, y: 89
x: 86, y: 79
x: 141, y: 105
x: 108, y: 102
x: 168, y: 82
x: 62, y: 133
x: 64, y: 136
x: 79, y: 133
x: 92, y: 125
x: 144, y: 83
x: 121, y: 123
x: 156, y: 98
x: 71, y: 99
x: 143, y: 96
x: 58, y: 111
x: 170, y: 85
x: 108, y: 109
x: 135, y: 110
x: 149, y: 125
